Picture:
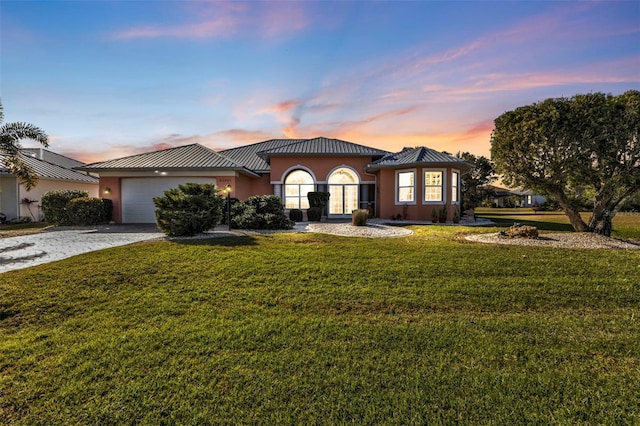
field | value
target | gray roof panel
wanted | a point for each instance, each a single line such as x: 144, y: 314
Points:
x: 194, y: 156
x: 46, y: 170
x: 248, y: 157
x: 418, y: 156
x: 323, y: 146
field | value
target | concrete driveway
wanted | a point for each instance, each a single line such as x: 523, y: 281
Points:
x: 59, y: 243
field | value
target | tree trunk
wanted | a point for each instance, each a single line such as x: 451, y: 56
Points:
x: 572, y: 213
x: 602, y: 225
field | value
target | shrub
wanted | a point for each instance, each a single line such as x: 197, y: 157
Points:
x: 189, y: 209
x: 295, y: 215
x: 318, y: 199
x: 260, y: 212
x: 314, y: 214
x: 442, y: 215
x: 359, y: 217
x: 88, y: 211
x: 54, y: 205
x: 232, y: 201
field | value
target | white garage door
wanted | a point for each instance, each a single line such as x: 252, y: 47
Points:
x: 138, y: 194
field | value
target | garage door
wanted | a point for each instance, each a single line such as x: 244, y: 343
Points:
x: 138, y: 194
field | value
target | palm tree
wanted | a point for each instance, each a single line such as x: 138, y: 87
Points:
x: 10, y: 136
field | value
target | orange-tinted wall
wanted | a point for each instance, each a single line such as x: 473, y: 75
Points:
x: 321, y: 166
x: 387, y: 192
x: 260, y: 186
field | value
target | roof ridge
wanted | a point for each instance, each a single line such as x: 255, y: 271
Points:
x: 60, y: 170
x: 148, y: 153
x: 258, y: 143
x: 53, y: 152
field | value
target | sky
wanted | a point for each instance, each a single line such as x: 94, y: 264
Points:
x: 107, y: 79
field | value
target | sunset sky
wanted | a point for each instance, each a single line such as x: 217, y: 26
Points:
x: 107, y: 79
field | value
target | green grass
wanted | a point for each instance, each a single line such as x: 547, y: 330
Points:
x: 625, y: 225
x: 319, y: 329
x: 21, y: 228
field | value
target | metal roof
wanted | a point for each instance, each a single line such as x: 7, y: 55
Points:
x: 46, y: 170
x: 52, y: 157
x: 416, y: 157
x: 187, y: 157
x: 247, y: 154
x: 256, y: 156
x: 323, y: 146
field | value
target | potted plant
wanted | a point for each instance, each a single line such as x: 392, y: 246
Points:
x: 317, y: 203
x: 434, y: 215
x: 456, y: 216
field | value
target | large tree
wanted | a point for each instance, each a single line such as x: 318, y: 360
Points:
x: 10, y: 136
x: 474, y: 179
x: 588, y: 141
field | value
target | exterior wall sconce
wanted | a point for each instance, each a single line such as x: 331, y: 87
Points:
x: 227, y: 190
x: 107, y: 191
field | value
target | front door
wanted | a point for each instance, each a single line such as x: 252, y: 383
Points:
x: 343, y: 187
x: 343, y: 200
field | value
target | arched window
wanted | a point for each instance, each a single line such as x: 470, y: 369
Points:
x: 296, y: 187
x: 343, y: 187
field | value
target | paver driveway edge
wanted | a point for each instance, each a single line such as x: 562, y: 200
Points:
x: 36, y: 249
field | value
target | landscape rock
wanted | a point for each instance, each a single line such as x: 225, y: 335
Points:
x: 522, y: 231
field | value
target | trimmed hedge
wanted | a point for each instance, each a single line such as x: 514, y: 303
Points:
x: 295, y: 215
x: 189, y: 209
x: 88, y: 211
x: 318, y: 199
x: 260, y: 212
x: 314, y: 214
x: 54, y: 205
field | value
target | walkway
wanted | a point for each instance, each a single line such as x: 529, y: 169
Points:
x: 56, y: 244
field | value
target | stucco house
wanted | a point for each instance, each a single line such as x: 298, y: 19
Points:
x: 410, y: 183
x: 54, y: 171
x: 519, y: 197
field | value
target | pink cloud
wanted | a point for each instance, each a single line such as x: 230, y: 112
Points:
x: 209, y: 29
x: 280, y: 107
x: 225, y: 19
x: 281, y: 18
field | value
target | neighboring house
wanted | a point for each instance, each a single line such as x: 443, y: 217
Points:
x: 51, y: 157
x: 527, y: 198
x: 503, y: 197
x: 410, y: 183
x: 54, y: 173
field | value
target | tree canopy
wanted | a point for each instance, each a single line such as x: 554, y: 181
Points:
x: 586, y: 141
x: 474, y: 179
x: 10, y: 136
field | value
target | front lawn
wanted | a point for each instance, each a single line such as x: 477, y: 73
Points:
x: 320, y: 329
x: 625, y: 225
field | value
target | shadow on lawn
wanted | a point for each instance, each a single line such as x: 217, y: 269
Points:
x: 218, y: 239
x: 537, y: 220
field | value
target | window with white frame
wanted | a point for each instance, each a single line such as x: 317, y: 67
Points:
x: 455, y: 187
x: 433, y: 186
x: 406, y: 186
x: 296, y: 187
